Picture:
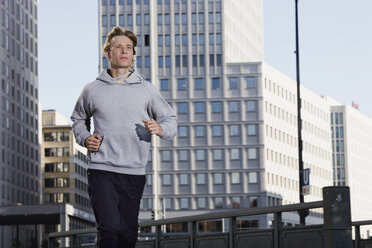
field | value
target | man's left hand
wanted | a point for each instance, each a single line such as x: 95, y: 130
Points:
x: 153, y: 127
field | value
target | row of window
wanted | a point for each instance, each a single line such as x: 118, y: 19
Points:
x: 56, y: 136
x: 217, y: 202
x: 130, y: 2
x: 56, y: 182
x: 338, y: 159
x: 339, y: 146
x: 57, y: 167
x: 337, y: 118
x: 217, y: 130
x: 129, y: 22
x: 57, y: 198
x: 201, y: 154
x: 21, y: 179
x: 21, y: 38
x: 196, y: 18
x: 17, y: 196
x: 202, y: 178
x: 21, y: 83
x: 57, y: 152
x: 21, y: 148
x: 199, y: 83
x: 337, y: 132
x: 216, y: 106
x: 282, y: 181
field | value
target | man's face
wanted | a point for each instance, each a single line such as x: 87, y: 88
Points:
x: 121, y: 53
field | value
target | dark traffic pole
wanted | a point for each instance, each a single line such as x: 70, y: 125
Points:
x: 302, y: 213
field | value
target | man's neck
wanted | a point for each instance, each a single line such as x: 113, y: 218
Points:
x: 117, y: 72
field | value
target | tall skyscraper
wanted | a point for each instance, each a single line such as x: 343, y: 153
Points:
x: 352, y: 163
x: 20, y: 162
x: 237, y: 136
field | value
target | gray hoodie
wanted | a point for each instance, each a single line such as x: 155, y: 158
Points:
x: 118, y: 109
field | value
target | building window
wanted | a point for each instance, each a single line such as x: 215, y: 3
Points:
x: 234, y: 130
x: 121, y: 20
x: 184, y: 18
x: 200, y: 155
x: 104, y: 20
x: 166, y: 155
x: 147, y: 61
x: 198, y: 83
x: 234, y: 154
x: 200, y: 131
x: 251, y: 129
x: 167, y: 61
x: 166, y: 179
x: 201, y: 39
x: 218, y: 39
x: 112, y: 20
x: 184, y: 203
x: 252, y: 177
x: 138, y: 19
x: 199, y: 107
x: 167, y: 40
x: 216, y: 107
x: 201, y: 18
x: 184, y: 179
x: 235, y: 202
x: 176, y: 18
x: 160, y: 61
x: 202, y: 202
x: 235, y: 178
x: 166, y: 19
x: 218, y: 202
x: 251, y: 82
x: 210, y: 17
x: 182, y: 131
x: 129, y: 20
x: 211, y: 38
x: 217, y: 178
x: 218, y: 17
x: 233, y: 106
x: 182, y: 107
x: 252, y: 153
x: 183, y: 155
x: 253, y: 201
x: 216, y: 83
x: 251, y: 106
x: 217, y: 154
x: 177, y: 40
x: 217, y: 130
x: 160, y: 40
x: 181, y: 84
x: 160, y: 19
x: 164, y: 84
x: 233, y: 82
x: 147, y: 19
x: 200, y: 179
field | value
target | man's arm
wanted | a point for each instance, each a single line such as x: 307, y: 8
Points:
x: 165, y: 119
x: 81, y: 119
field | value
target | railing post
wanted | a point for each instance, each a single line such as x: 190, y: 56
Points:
x: 193, y: 229
x: 232, y: 232
x: 357, y: 236
x: 337, y: 217
x: 277, y: 230
x: 157, y: 236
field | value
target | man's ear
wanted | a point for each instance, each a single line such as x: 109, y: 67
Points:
x: 108, y: 55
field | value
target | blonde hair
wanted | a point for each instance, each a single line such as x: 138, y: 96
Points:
x: 116, y: 31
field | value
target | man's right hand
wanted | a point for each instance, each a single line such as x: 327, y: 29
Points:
x: 93, y: 142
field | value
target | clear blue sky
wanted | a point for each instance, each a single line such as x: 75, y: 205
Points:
x: 335, y: 48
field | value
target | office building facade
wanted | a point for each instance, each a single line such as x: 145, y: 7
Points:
x: 64, y: 167
x: 237, y: 136
x: 20, y: 156
x: 351, y: 145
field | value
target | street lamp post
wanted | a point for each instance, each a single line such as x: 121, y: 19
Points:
x: 302, y: 213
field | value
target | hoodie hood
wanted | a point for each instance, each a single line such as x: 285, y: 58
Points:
x: 134, y: 77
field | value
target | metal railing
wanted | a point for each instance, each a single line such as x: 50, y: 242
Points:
x: 328, y: 235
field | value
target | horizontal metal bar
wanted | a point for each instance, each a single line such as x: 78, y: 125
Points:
x: 210, y: 216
